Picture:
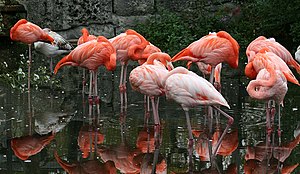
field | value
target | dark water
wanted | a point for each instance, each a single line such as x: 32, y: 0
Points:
x: 86, y: 142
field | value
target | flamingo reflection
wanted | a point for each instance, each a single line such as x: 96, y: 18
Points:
x: 27, y: 146
x: 227, y: 146
x: 87, y: 167
x: 89, y: 137
x: 262, y: 155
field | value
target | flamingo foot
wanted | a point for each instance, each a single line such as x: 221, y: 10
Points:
x: 97, y: 100
x: 90, y: 100
x: 269, y: 131
x: 122, y: 88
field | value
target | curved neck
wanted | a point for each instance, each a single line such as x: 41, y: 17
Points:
x: 111, y: 64
x: 254, y: 86
x: 135, y: 52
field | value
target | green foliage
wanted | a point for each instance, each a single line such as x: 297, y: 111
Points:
x: 244, y: 20
x: 167, y: 31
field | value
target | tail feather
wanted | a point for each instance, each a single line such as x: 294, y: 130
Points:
x: 291, y: 78
x: 295, y: 65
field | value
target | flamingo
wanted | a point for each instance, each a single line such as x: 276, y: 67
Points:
x: 91, y: 55
x: 129, y: 46
x: 189, y: 90
x: 147, y: 79
x: 85, y: 37
x: 297, y: 54
x: 212, y: 49
x: 28, y: 33
x: 270, y: 84
x: 61, y: 46
x: 256, y: 64
x: 82, y: 39
x: 261, y: 42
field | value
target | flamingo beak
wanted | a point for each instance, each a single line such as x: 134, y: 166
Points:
x: 170, y: 66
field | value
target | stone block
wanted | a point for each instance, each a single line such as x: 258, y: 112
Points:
x: 63, y: 15
x: 133, y: 7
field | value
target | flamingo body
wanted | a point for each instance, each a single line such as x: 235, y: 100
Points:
x: 259, y: 90
x: 212, y: 49
x: 91, y: 55
x: 28, y: 32
x: 261, y: 42
x: 252, y: 68
x: 189, y: 89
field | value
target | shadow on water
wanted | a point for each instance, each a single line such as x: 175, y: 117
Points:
x: 61, y: 135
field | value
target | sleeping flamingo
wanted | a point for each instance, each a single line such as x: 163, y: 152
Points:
x: 212, y: 49
x: 129, y: 46
x: 147, y: 79
x: 256, y: 64
x: 261, y: 42
x: 28, y: 33
x: 60, y: 46
x: 190, y: 90
x: 91, y: 55
x: 270, y: 84
x: 86, y: 36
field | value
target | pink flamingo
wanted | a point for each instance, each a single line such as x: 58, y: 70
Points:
x: 256, y: 64
x: 189, y: 90
x: 28, y: 33
x: 261, y: 42
x: 85, y: 37
x: 270, y: 84
x: 82, y: 39
x: 212, y: 49
x: 129, y: 46
x: 91, y: 55
x: 147, y: 79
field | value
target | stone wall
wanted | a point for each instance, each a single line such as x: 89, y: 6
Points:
x: 101, y: 17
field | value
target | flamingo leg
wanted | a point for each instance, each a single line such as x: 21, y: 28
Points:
x: 268, y: 123
x: 83, y: 81
x: 29, y: 76
x: 124, y: 87
x: 229, y: 123
x: 279, y: 126
x: 51, y: 65
x: 155, y: 113
x: 121, y: 87
x: 90, y: 98
x: 191, y: 140
x: 147, y: 109
x: 97, y: 99
x: 29, y: 90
